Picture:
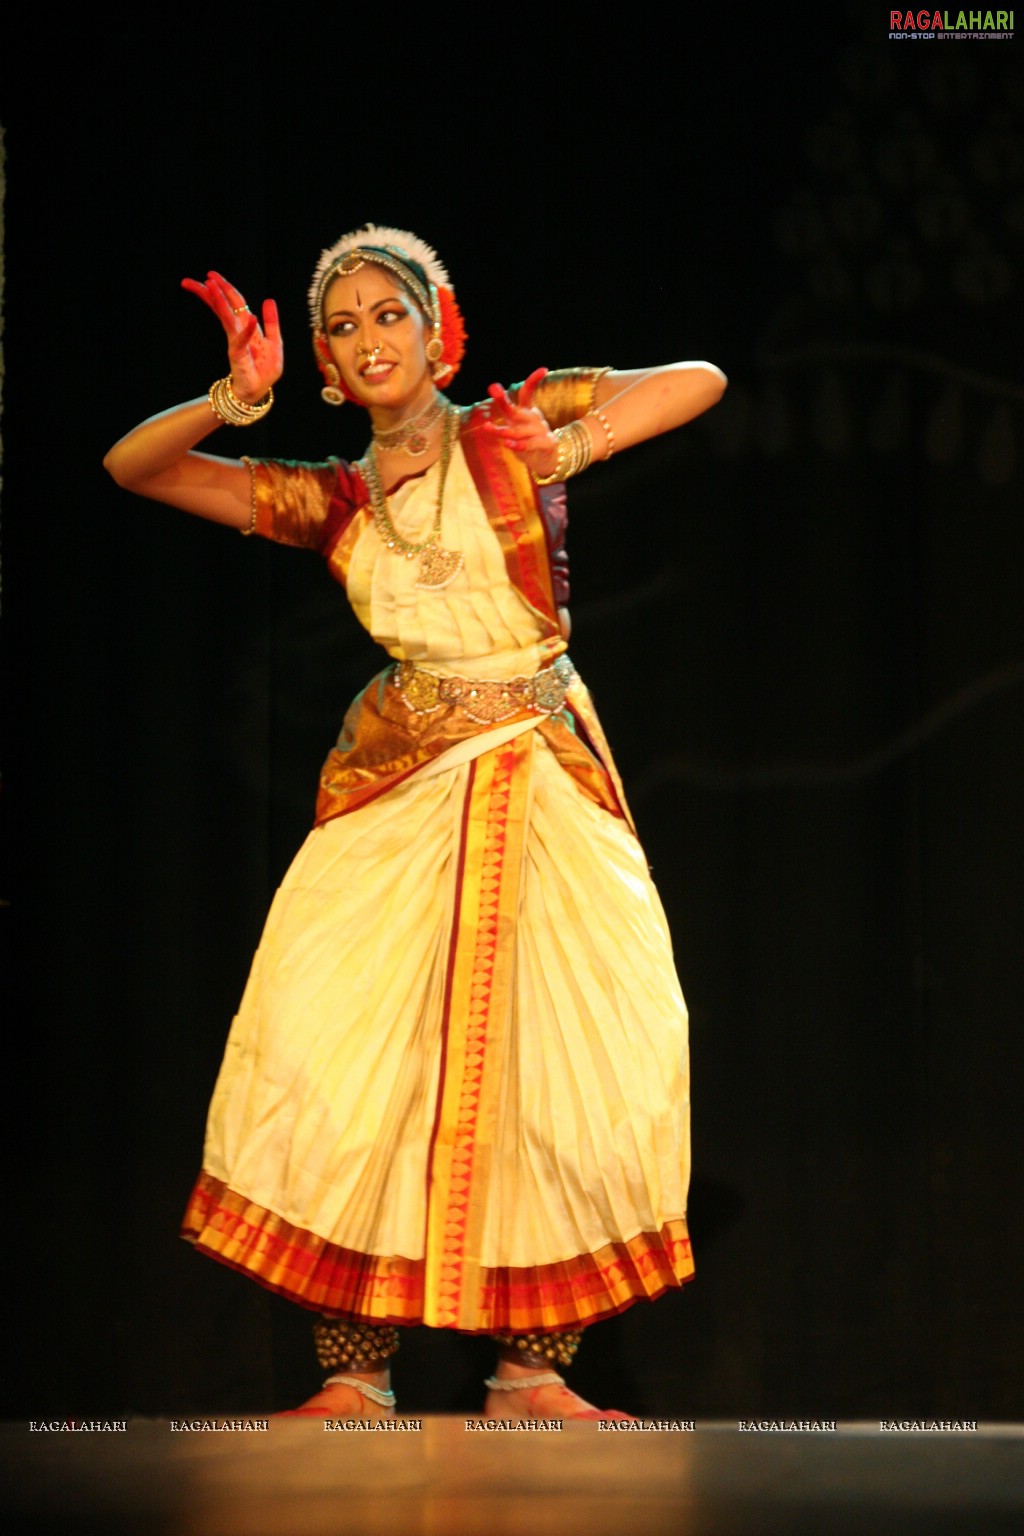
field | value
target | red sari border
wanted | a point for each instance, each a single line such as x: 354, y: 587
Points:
x: 331, y: 1280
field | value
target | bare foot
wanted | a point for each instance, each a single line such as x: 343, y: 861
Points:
x: 344, y: 1402
x: 550, y: 1402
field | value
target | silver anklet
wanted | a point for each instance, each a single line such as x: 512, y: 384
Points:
x: 376, y: 1395
x: 513, y: 1383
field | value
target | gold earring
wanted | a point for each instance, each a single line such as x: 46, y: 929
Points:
x: 330, y: 392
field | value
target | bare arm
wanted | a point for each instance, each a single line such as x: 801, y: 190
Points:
x: 158, y: 459
x: 643, y: 403
x: 635, y: 405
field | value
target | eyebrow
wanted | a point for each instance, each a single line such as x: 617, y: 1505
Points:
x: 394, y: 298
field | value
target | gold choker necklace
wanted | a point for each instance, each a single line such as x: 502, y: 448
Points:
x: 437, y: 566
x: 412, y: 434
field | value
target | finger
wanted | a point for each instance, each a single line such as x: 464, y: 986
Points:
x: 271, y: 322
x: 510, y: 432
x: 231, y: 306
x: 530, y: 430
x: 219, y: 302
x: 201, y: 291
x: 240, y: 340
x: 236, y: 300
x: 525, y: 446
x: 499, y: 394
x: 529, y: 388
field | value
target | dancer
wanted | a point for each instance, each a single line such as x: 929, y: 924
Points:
x: 456, y: 1091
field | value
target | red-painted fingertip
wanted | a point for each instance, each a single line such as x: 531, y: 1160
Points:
x: 529, y: 386
x: 499, y: 394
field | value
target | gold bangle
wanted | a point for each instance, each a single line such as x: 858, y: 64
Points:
x: 609, y: 434
x: 575, y: 450
x: 598, y: 375
x: 226, y: 405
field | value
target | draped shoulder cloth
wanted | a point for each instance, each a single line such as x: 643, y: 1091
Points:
x: 326, y: 507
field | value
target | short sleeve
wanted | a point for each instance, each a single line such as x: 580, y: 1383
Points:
x: 291, y: 501
x: 565, y: 394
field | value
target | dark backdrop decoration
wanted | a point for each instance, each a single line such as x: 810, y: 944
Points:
x: 801, y: 619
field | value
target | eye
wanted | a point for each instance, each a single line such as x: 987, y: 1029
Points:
x: 391, y: 316
x: 340, y: 328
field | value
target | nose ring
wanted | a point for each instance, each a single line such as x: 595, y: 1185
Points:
x: 371, y: 352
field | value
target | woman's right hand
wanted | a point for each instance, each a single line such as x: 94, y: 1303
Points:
x: 256, y: 356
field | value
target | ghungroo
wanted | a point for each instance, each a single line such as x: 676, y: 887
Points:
x: 559, y: 1348
x: 343, y: 1344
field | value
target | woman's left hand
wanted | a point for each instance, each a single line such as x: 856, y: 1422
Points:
x: 522, y: 427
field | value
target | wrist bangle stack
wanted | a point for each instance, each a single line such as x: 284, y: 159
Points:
x: 225, y: 404
x: 609, y: 434
x: 575, y: 450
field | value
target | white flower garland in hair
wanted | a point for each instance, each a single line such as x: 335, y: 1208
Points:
x: 380, y: 235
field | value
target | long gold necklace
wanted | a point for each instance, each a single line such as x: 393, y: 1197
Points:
x: 437, y: 565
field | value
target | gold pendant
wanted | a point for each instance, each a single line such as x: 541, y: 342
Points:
x: 437, y: 567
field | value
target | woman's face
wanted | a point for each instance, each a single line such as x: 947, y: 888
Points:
x: 377, y: 333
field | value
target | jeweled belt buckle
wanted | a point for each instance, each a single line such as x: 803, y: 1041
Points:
x: 486, y: 701
x: 420, y: 690
x: 551, y: 686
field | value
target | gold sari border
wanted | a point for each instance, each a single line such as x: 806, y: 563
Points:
x: 477, y: 1010
x: 298, y: 1264
x: 383, y: 742
x: 593, y: 1285
x: 510, y: 500
x: 327, y: 1278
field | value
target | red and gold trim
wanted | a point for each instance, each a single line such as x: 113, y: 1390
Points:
x: 477, y: 1011
x: 296, y: 1263
x: 331, y: 1280
x: 382, y: 742
x: 583, y: 1289
x: 509, y: 497
x: 589, y: 726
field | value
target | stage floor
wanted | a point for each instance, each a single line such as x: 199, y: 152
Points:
x: 296, y: 1479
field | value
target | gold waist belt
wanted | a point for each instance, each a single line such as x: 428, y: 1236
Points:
x: 485, y: 700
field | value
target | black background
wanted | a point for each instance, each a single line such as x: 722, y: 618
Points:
x: 800, y: 617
